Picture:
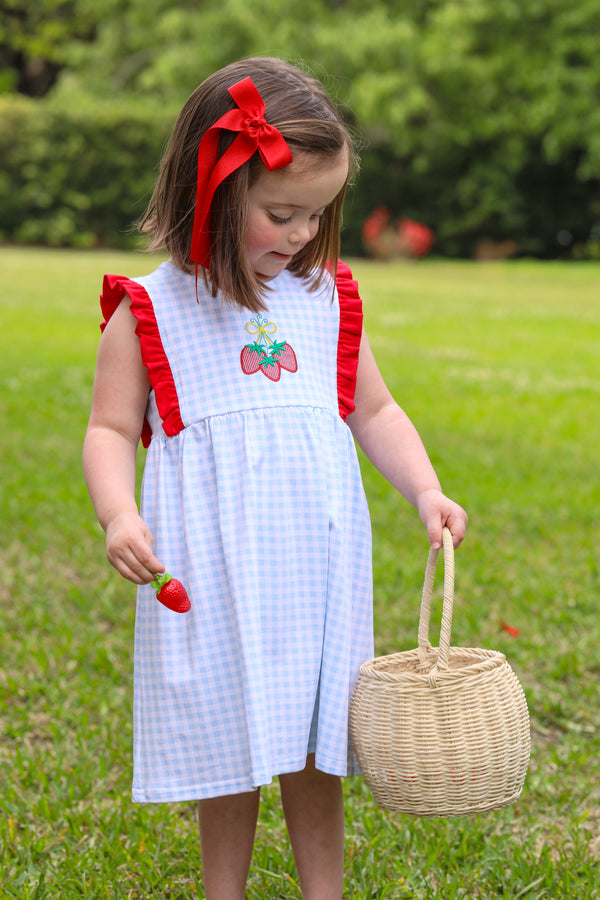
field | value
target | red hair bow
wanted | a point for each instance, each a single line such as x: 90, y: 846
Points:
x: 255, y: 133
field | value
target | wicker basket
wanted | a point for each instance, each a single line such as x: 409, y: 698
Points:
x: 441, y: 731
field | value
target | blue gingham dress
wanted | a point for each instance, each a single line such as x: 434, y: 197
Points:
x: 253, y: 494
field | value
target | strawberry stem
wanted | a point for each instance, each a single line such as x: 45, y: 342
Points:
x: 160, y: 580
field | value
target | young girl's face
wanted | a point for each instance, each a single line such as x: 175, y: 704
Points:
x: 285, y: 208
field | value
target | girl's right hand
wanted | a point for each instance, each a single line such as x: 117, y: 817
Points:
x: 129, y: 548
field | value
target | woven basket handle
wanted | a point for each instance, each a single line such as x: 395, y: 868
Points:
x: 446, y: 627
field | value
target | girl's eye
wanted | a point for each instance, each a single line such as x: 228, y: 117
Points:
x: 285, y: 220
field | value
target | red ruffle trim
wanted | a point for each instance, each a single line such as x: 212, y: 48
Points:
x: 351, y: 322
x: 154, y: 357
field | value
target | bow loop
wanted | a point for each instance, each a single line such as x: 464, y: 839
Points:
x: 246, y: 96
x: 254, y: 133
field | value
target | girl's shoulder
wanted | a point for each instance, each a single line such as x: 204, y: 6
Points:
x: 143, y: 290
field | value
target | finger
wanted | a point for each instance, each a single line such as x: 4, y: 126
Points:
x: 144, y: 563
x: 130, y: 569
x: 457, y: 524
x: 434, y: 531
x: 138, y: 566
x: 146, y: 569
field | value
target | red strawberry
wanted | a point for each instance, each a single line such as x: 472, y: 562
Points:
x: 250, y: 360
x: 171, y: 593
x: 287, y: 359
x: 270, y: 368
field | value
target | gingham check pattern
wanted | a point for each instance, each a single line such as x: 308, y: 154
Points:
x: 258, y: 507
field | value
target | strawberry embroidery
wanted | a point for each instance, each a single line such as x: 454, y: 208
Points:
x: 250, y: 360
x: 268, y: 355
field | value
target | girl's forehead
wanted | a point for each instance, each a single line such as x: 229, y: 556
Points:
x: 304, y: 162
x: 307, y: 179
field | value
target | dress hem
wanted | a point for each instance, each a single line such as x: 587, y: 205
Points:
x: 207, y: 792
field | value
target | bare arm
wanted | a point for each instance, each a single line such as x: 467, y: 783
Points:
x: 390, y: 440
x: 121, y: 390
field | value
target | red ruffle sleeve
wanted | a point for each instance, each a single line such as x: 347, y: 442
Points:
x: 114, y: 288
x: 351, y: 322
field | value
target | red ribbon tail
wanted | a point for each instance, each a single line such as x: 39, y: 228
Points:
x: 252, y: 135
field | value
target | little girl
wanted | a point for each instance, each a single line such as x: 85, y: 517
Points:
x: 242, y: 364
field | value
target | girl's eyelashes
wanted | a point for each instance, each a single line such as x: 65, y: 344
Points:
x: 280, y: 220
x: 285, y: 220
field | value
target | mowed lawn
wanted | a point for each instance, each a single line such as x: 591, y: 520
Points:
x: 498, y: 365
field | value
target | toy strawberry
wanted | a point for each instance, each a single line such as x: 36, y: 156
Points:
x: 171, y: 593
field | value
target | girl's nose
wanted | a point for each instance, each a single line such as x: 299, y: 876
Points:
x: 301, y: 233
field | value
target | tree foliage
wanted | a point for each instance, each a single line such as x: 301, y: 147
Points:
x: 479, y: 117
x: 77, y: 176
x: 35, y: 42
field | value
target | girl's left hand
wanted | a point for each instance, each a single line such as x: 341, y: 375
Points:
x: 436, y: 511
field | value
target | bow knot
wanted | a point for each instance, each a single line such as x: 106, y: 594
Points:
x: 254, y: 133
x: 255, y: 124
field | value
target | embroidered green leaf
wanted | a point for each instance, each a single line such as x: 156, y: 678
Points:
x: 277, y: 348
x: 258, y: 347
x: 267, y: 361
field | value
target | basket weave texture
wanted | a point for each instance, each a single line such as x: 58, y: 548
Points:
x: 441, y: 731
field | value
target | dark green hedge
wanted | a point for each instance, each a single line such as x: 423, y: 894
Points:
x: 77, y: 175
x: 472, y: 198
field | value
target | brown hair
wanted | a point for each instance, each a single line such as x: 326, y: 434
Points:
x: 299, y: 107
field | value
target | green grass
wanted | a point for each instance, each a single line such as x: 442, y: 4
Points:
x: 499, y: 367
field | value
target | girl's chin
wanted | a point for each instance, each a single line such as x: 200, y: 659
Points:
x: 273, y: 264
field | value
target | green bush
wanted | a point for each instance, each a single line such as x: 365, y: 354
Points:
x: 77, y: 172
